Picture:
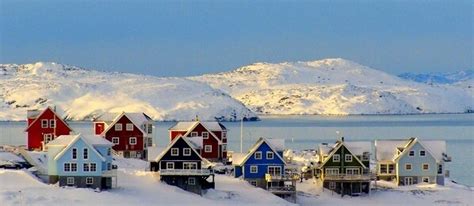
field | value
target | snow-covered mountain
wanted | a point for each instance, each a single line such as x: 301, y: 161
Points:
x: 440, y: 78
x: 82, y: 94
x: 335, y: 86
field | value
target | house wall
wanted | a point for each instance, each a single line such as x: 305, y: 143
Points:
x: 261, y: 164
x: 99, y: 127
x: 417, y: 161
x: 52, y: 152
x: 35, y: 132
x: 67, y: 157
x: 124, y: 136
x: 80, y: 181
x: 342, y: 164
x: 178, y: 160
x: 237, y: 171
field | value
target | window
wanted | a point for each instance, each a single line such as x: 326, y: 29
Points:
x: 258, y: 155
x: 170, y: 165
x: 205, y: 135
x: 47, y: 138
x: 208, y: 148
x: 332, y: 171
x: 253, y: 169
x: 425, y: 179
x: 412, y: 153
x: 149, y: 129
x: 336, y: 158
x: 191, y: 181
x: 352, y: 171
x: 129, y: 127
x: 383, y: 169
x: 365, y: 157
x: 254, y: 183
x: 150, y: 142
x: 348, y: 158
x: 440, y: 169
x: 132, y: 141
x: 407, y: 166
x: 425, y: 166
x: 67, y: 167
x: 174, y: 152
x: 109, y: 166
x: 224, y: 148
x: 109, y: 151
x: 194, y: 134
x: 391, y: 168
x: 70, y: 180
x: 85, y: 153
x: 224, y: 135
x: 189, y: 165
x: 115, y: 140
x: 52, y: 123
x: 270, y: 155
x: 274, y: 170
x: 74, y: 153
x: 422, y: 153
x: 73, y: 167
x: 44, y: 123
x: 93, y: 167
x: 85, y: 167
x: 332, y: 185
x: 118, y: 127
x: 89, y: 180
x: 187, y: 151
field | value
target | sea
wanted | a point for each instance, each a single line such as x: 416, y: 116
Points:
x: 303, y: 132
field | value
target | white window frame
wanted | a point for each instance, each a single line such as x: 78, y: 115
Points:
x: 115, y: 138
x: 224, y: 134
x: 84, y: 166
x: 194, y: 134
x: 205, y: 135
x: 149, y: 129
x: 93, y: 167
x: 47, y: 138
x: 346, y: 159
x: 129, y: 127
x: 410, y: 153
x: 338, y: 159
x: 168, y: 164
x: 75, y: 170
x: 425, y: 178
x: 270, y: 153
x: 174, y: 151
x: 118, y: 127
x: 423, y: 167
x: 44, y: 123
x: 408, y: 178
x: 74, y: 153
x: 130, y: 141
x: 224, y: 147
x: 191, y: 181
x: 85, y: 153
x: 52, y: 123
x: 253, y: 167
x: 332, y: 171
x: 255, y: 155
x: 70, y: 180
x: 89, y: 180
x: 208, y: 148
x: 190, y: 165
x: 274, y: 168
x: 352, y: 171
x: 68, y: 166
x: 411, y: 167
x: 186, y: 151
x: 424, y: 153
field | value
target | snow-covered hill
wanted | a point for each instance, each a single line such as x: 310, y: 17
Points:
x: 82, y: 94
x: 335, y: 86
x: 440, y: 78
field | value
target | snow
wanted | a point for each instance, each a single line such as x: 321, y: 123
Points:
x: 436, y: 147
x: 81, y: 94
x: 358, y: 148
x: 8, y: 156
x: 385, y: 150
x: 65, y: 140
x: 237, y: 158
x: 186, y: 126
x: 277, y: 144
x: 335, y: 87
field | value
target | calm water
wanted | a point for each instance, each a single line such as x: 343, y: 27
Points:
x: 305, y: 132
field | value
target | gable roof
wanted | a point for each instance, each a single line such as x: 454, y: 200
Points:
x: 158, y: 158
x: 186, y: 126
x: 136, y: 118
x: 412, y: 142
x: 41, y: 114
x: 194, y: 125
x: 334, y: 149
x: 386, y: 149
x: 257, y: 145
x: 67, y: 141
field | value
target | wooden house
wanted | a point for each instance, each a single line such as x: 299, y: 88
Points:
x: 81, y: 161
x: 411, y: 161
x: 213, y: 135
x: 263, y: 166
x: 131, y: 133
x: 344, y: 167
x: 43, y: 127
x: 179, y: 164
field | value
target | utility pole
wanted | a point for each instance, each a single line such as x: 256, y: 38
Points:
x: 241, y: 133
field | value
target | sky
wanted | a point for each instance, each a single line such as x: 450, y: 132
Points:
x: 184, y: 38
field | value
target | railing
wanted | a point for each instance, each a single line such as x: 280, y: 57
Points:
x: 347, y: 177
x: 184, y: 172
x: 389, y: 173
x: 286, y: 177
x: 288, y: 188
x: 110, y: 173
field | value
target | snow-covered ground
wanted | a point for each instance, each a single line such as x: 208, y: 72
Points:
x: 83, y: 94
x: 140, y: 187
x: 335, y: 86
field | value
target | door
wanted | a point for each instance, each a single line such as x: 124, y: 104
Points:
x: 408, y: 180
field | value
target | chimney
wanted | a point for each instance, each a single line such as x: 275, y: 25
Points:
x: 342, y: 139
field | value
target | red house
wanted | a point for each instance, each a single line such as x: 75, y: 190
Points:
x: 44, y: 126
x: 131, y: 133
x: 212, y: 134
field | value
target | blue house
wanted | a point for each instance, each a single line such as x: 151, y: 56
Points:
x: 81, y: 161
x: 411, y: 161
x: 263, y: 166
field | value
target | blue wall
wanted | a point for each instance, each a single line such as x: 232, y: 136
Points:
x: 263, y: 163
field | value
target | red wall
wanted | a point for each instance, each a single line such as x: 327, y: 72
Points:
x: 124, y: 136
x: 210, y: 141
x: 35, y: 132
x: 99, y: 127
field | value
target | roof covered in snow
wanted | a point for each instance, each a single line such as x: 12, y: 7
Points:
x: 277, y: 144
x: 386, y: 150
x: 185, y: 126
x: 196, y: 142
x: 237, y: 158
x: 65, y: 140
x: 137, y: 118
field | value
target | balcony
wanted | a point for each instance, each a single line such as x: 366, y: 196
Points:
x: 345, y: 177
x: 390, y: 173
x: 278, y: 178
x: 185, y: 172
x: 282, y: 189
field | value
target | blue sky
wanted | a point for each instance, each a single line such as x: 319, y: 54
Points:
x: 180, y: 38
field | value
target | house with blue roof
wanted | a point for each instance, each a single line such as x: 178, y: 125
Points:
x: 81, y: 161
x: 264, y: 166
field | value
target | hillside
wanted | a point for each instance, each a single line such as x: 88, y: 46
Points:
x: 335, y: 87
x: 440, y: 77
x: 82, y: 94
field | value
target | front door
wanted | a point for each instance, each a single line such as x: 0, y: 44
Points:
x: 408, y: 180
